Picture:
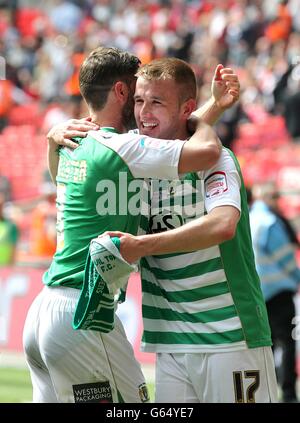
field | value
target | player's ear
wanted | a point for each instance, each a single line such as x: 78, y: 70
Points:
x: 121, y: 91
x: 188, y: 107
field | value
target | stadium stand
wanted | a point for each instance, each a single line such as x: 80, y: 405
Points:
x: 261, y: 40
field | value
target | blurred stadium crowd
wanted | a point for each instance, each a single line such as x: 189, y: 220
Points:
x: 42, y: 44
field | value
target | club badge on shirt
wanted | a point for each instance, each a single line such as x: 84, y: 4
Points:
x: 215, y: 184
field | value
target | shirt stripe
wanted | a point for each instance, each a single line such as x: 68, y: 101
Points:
x: 186, y: 295
x: 204, y: 316
x: 211, y: 303
x: 190, y: 283
x: 193, y: 338
x: 188, y: 271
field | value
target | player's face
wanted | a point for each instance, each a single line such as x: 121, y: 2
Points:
x: 157, y: 109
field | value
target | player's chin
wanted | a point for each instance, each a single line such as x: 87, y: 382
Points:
x: 153, y: 132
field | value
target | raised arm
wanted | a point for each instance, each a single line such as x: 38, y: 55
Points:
x: 203, y: 149
x: 225, y: 92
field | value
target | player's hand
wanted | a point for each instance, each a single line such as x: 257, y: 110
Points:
x: 225, y: 87
x: 129, y: 245
x: 63, y: 133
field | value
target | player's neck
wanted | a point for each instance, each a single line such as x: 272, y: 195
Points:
x: 181, y: 134
x: 107, y: 120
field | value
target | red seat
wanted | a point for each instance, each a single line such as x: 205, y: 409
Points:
x: 29, y: 20
x: 27, y: 114
x: 23, y: 159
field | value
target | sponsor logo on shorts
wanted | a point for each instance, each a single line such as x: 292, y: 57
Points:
x: 99, y: 392
x: 215, y: 184
x: 143, y: 392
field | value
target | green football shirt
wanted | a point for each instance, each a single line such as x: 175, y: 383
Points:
x: 99, y: 188
x: 208, y: 300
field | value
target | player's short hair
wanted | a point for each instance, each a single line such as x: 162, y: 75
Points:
x: 174, y: 69
x: 101, y: 70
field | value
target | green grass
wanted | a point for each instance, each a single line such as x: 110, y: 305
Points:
x: 15, y: 385
x: 151, y: 391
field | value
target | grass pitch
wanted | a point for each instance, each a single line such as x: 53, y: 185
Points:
x: 15, y: 386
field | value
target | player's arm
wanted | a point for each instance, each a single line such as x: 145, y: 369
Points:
x: 61, y: 135
x: 201, y: 151
x: 216, y: 227
x: 223, y: 204
x: 225, y: 92
x: 52, y: 159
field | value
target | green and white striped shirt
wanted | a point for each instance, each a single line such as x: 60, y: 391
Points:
x: 208, y: 300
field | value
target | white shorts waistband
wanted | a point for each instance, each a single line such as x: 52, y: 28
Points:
x: 62, y: 292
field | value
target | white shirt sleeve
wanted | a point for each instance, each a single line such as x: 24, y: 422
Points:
x: 146, y: 157
x: 222, y: 184
x: 150, y: 157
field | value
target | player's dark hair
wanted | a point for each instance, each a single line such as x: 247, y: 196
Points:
x: 101, y: 70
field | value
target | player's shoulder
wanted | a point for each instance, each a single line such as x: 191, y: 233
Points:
x: 226, y: 162
x: 227, y: 154
x: 114, y: 140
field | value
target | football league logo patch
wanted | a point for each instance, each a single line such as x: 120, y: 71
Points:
x: 215, y: 184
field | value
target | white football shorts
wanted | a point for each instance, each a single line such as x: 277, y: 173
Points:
x: 245, y: 376
x: 68, y: 365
